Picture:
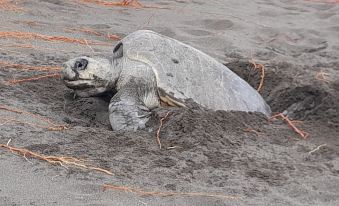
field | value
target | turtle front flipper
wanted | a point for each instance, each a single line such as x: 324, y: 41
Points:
x: 127, y: 112
x: 130, y: 108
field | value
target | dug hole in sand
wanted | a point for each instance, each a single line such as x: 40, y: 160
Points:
x: 207, y: 157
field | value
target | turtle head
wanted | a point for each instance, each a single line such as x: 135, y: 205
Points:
x: 93, y: 76
x: 88, y: 76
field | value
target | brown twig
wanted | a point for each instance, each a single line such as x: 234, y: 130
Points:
x: 29, y: 46
x: 33, y: 78
x: 9, y: 65
x: 163, y: 194
x: 25, y: 46
x: 94, y: 32
x: 261, y: 69
x: 303, y: 134
x: 252, y: 130
x: 316, y: 149
x: 123, y: 3
x: 28, y: 22
x: 84, y: 30
x: 9, y: 6
x: 113, y: 37
x: 5, y: 64
x: 29, y: 35
x: 50, y: 125
x: 53, y: 159
x: 322, y: 76
x: 54, y: 128
x: 159, y: 129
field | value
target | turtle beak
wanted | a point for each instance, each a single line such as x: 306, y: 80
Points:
x: 71, y: 78
x: 68, y: 74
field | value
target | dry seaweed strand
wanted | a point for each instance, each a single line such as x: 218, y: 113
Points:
x: 33, y: 78
x: 301, y: 133
x: 10, y: 65
x: 159, y: 129
x: 50, y: 125
x: 163, y: 194
x: 252, y: 130
x: 261, y: 69
x: 9, y: 120
x: 9, y: 6
x: 62, y: 161
x: 316, y: 149
x: 30, y: 46
x: 94, y: 32
x: 124, y: 3
x: 19, y: 111
x: 84, y: 30
x: 30, y: 35
x: 28, y: 22
x: 322, y: 76
x: 26, y: 46
x: 113, y: 37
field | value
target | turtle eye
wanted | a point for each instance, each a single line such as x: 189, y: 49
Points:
x: 81, y: 64
x: 118, y: 51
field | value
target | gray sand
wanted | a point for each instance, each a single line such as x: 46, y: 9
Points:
x: 212, y: 153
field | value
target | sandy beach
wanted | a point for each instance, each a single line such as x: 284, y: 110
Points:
x: 207, y: 157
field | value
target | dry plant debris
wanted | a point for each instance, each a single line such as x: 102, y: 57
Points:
x: 322, y: 76
x: 30, y: 46
x: 124, y: 3
x: 28, y: 22
x: 30, y: 35
x: 159, y: 129
x: 261, y: 69
x: 255, y: 131
x: 49, y: 125
x: 9, y: 6
x: 10, y: 65
x: 84, y: 30
x: 94, y: 32
x: 164, y: 194
x: 62, y: 161
x: 113, y: 37
x: 316, y: 149
x: 291, y: 123
x: 27, y: 46
x: 33, y: 78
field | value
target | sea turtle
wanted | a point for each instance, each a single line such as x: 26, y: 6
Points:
x: 148, y: 69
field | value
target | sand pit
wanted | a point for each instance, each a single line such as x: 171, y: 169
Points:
x: 286, y: 50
